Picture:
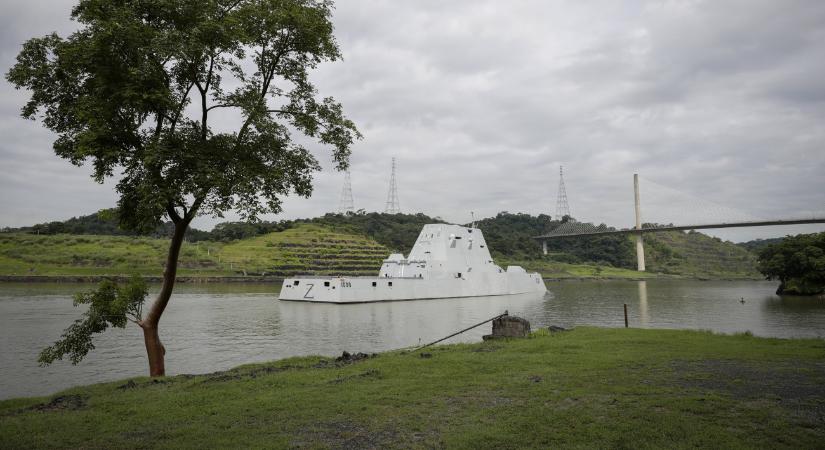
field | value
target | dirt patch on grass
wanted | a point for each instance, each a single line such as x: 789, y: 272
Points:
x: 369, y: 374
x: 61, y: 403
x: 798, y: 385
x: 787, y: 380
x: 240, y: 374
x: 344, y: 434
x: 346, y: 358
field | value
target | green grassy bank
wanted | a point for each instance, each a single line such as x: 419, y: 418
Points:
x: 587, y: 388
x: 305, y: 249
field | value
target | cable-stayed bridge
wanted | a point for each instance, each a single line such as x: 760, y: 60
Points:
x: 682, y: 212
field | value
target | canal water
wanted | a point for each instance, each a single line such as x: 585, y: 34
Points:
x: 210, y: 327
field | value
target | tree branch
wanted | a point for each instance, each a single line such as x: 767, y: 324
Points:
x: 203, y: 90
x: 170, y: 210
x: 267, y: 79
x: 179, y: 108
x: 196, y: 205
x: 223, y: 105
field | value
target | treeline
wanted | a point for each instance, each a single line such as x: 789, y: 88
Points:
x: 103, y: 222
x: 798, y: 262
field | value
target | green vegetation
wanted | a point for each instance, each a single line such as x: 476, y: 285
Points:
x: 355, y: 244
x: 758, y: 244
x: 587, y: 388
x: 697, y: 255
x: 305, y: 249
x: 109, y: 305
x: 77, y: 255
x: 798, y: 263
x: 561, y: 270
x: 117, y: 94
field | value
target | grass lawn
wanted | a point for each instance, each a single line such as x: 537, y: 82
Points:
x: 586, y: 388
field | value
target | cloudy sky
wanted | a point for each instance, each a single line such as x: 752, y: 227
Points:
x: 718, y: 105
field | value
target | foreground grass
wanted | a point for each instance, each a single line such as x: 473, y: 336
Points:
x: 586, y: 388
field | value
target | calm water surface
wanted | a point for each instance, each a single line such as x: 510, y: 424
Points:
x: 209, y: 327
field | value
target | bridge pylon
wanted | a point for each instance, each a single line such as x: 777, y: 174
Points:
x: 640, y: 248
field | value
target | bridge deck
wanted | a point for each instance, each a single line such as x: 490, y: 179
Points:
x: 686, y: 227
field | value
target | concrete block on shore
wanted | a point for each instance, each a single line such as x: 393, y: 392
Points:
x: 509, y: 327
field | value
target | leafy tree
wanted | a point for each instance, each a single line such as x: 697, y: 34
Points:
x: 798, y: 262
x: 137, y: 88
x: 109, y: 305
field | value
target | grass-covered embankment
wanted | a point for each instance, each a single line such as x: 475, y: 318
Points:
x: 304, y: 249
x: 586, y: 388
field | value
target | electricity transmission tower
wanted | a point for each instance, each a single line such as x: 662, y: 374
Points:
x: 346, y: 205
x: 562, y: 208
x: 392, y: 196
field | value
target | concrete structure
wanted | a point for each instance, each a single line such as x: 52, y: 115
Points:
x: 446, y: 261
x: 509, y: 327
x: 640, y: 248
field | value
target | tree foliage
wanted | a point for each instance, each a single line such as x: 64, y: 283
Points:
x: 798, y: 262
x: 135, y: 93
x: 109, y: 305
x: 135, y: 88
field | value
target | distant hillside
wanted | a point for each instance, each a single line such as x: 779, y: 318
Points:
x: 356, y: 243
x: 698, y: 255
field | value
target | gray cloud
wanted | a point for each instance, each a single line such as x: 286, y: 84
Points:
x: 481, y: 101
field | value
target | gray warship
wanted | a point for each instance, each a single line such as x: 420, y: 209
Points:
x: 447, y: 261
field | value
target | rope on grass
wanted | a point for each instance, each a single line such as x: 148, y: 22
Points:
x: 462, y: 331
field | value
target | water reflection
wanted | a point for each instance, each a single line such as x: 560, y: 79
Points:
x: 643, y: 314
x: 396, y: 324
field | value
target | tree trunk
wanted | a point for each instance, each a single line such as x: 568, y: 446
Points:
x: 154, y: 348
x: 155, y: 351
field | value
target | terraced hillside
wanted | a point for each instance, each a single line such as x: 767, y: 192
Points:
x: 304, y: 250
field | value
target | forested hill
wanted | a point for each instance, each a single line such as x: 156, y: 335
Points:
x: 101, y: 223
x: 509, y: 235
